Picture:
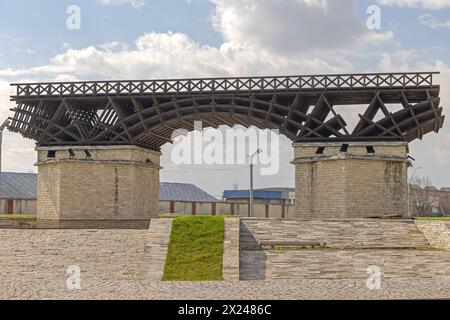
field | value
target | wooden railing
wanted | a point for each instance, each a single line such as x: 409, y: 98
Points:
x: 226, y: 85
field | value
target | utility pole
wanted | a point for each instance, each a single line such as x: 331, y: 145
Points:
x: 251, y: 190
x: 2, y: 127
x: 251, y: 181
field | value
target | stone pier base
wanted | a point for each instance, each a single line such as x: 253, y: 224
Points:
x: 350, y: 180
x: 110, y: 184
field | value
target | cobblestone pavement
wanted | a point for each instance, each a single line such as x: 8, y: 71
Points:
x: 437, y: 288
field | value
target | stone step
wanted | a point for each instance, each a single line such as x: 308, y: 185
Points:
x: 335, y: 234
x: 4, y: 222
x: 334, y: 264
x: 349, y: 247
x: 155, y: 250
x: 274, y: 244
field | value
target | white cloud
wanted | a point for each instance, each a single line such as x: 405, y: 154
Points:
x: 424, y: 4
x: 134, y: 3
x: 5, y: 91
x: 293, y: 26
x: 408, y: 60
x: 17, y: 153
x: 260, y: 37
x: 432, y: 153
x: 442, y: 155
x: 397, y: 61
x: 429, y: 20
x: 172, y: 55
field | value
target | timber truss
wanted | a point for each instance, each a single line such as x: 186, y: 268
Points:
x: 303, y: 108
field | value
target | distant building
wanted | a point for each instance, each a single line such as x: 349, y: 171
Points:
x: 18, y: 193
x: 18, y: 185
x: 288, y: 194
x: 283, y: 196
x: 430, y: 199
x: 184, y: 192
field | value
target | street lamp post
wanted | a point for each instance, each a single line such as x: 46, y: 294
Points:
x: 251, y: 180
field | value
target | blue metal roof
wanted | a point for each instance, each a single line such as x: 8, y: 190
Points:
x: 18, y: 185
x: 257, y: 194
x: 184, y: 192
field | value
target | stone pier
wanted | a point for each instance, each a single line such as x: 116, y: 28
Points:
x: 350, y: 180
x: 101, y: 183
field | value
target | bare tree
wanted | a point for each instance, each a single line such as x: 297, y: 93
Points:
x: 422, y: 197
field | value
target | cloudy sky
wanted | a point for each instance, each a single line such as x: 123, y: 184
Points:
x: 134, y: 39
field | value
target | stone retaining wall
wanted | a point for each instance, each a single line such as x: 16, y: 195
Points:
x: 155, y: 252
x: 231, y: 250
x: 397, y: 247
x: 436, y: 232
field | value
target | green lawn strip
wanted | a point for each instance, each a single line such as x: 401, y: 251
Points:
x: 172, y: 215
x: 195, y: 249
x: 18, y: 216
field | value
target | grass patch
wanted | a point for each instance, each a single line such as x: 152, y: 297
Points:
x: 435, y: 219
x: 166, y: 215
x: 195, y: 249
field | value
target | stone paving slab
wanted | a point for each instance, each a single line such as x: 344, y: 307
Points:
x: 326, y: 289
x: 47, y: 254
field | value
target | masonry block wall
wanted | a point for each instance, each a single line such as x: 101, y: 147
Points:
x: 114, y: 183
x: 352, y: 182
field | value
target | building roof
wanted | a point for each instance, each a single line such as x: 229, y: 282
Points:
x: 285, y: 192
x: 280, y: 189
x: 18, y: 185
x: 184, y: 192
x: 257, y: 194
x: 24, y: 186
